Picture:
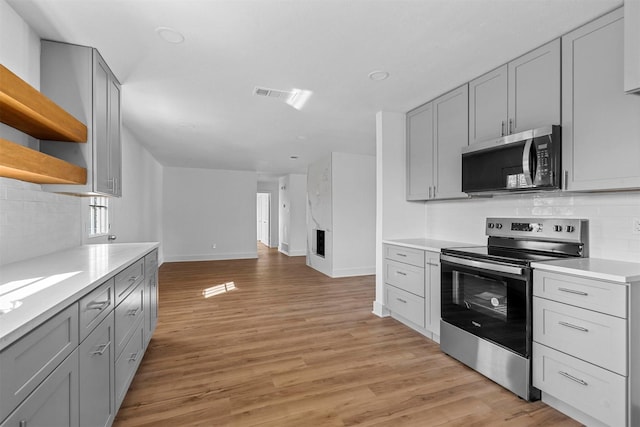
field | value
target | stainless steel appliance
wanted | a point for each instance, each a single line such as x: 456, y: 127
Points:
x: 486, y: 295
x: 524, y: 161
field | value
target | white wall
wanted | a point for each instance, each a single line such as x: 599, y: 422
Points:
x: 35, y: 222
x: 395, y: 217
x: 354, y: 214
x: 272, y: 188
x: 610, y: 218
x: 203, y: 207
x: 292, y: 214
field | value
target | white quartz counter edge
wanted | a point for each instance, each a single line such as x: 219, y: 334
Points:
x: 426, y: 244
x: 33, y: 290
x: 594, y: 268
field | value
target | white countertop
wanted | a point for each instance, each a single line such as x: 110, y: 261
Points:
x: 427, y: 244
x: 594, y: 268
x: 33, y: 290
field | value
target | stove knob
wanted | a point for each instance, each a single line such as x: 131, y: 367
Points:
x: 498, y: 226
x: 570, y: 228
x: 490, y: 225
x: 557, y: 228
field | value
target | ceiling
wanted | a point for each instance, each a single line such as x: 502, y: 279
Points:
x: 192, y: 104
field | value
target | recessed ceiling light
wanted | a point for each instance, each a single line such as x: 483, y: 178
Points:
x: 170, y: 35
x: 378, y: 75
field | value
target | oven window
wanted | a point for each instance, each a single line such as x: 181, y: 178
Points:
x: 488, y: 304
x: 485, y: 295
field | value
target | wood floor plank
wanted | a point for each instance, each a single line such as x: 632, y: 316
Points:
x: 285, y: 345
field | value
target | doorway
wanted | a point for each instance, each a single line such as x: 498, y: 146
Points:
x: 263, y: 204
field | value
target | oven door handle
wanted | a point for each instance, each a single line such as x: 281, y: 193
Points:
x: 483, y: 265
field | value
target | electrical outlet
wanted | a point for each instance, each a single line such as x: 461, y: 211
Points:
x: 636, y: 225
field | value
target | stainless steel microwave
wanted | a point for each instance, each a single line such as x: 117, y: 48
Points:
x: 524, y: 161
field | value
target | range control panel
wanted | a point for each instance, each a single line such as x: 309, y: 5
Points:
x: 555, y: 229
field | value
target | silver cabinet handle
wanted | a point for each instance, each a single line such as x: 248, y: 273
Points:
x: 133, y: 357
x: 100, y: 349
x: 502, y: 128
x: 133, y: 278
x: 401, y: 273
x: 402, y: 255
x: 401, y: 300
x: 98, y: 305
x: 573, y: 291
x: 572, y: 378
x: 510, y: 126
x: 429, y: 192
x: 133, y: 312
x: 565, y: 183
x: 572, y: 326
x: 434, y: 191
x: 23, y: 423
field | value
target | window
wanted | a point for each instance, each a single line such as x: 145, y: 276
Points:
x: 98, y: 216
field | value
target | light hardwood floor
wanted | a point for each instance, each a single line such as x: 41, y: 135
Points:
x: 291, y: 347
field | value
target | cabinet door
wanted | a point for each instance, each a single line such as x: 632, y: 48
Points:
x: 115, y: 147
x: 420, y: 152
x: 97, y: 376
x: 534, y: 89
x: 54, y: 402
x: 488, y: 106
x: 451, y: 123
x: 432, y: 277
x: 101, y: 132
x: 600, y: 124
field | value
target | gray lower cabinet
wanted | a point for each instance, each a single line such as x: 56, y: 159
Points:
x: 600, y: 123
x: 75, y: 368
x: 97, y: 364
x: 412, y: 288
x: 54, y: 402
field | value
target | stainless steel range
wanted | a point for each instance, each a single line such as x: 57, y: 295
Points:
x: 486, y: 297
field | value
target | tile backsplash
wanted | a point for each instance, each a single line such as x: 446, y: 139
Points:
x: 610, y: 216
x: 35, y: 222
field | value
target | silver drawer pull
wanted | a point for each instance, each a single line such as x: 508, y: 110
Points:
x: 133, y: 357
x: 572, y: 326
x: 572, y: 378
x: 402, y: 255
x: 100, y: 349
x: 401, y: 273
x: 133, y: 312
x: 401, y: 300
x: 572, y: 291
x: 23, y: 423
x: 98, y: 305
x: 133, y: 278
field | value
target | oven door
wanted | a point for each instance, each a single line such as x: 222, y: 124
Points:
x: 489, y: 300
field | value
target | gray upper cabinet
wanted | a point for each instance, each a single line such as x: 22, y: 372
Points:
x: 450, y: 136
x: 488, y: 106
x: 420, y: 153
x: 523, y: 94
x: 436, y: 133
x: 78, y: 79
x: 601, y: 125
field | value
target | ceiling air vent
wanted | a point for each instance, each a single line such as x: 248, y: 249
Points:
x: 272, y: 93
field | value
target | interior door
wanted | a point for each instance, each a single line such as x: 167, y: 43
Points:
x: 263, y: 204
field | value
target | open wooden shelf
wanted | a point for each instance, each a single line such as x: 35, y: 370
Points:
x: 26, y: 109
x: 25, y: 164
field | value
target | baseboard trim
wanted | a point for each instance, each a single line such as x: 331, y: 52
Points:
x: 351, y: 272
x: 210, y: 257
x: 380, y: 310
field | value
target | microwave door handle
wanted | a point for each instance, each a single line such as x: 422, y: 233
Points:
x: 526, y: 163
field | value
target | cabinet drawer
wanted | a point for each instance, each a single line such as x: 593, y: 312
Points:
x: 128, y: 314
x: 54, y: 402
x: 151, y: 261
x: 28, y: 361
x: 127, y: 363
x: 403, y: 276
x: 587, y: 335
x: 97, y: 361
x: 128, y: 278
x: 605, y: 297
x: 405, y: 304
x: 593, y: 390
x: 405, y: 255
x: 94, y: 307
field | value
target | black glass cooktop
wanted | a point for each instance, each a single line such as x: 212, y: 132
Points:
x: 505, y: 255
